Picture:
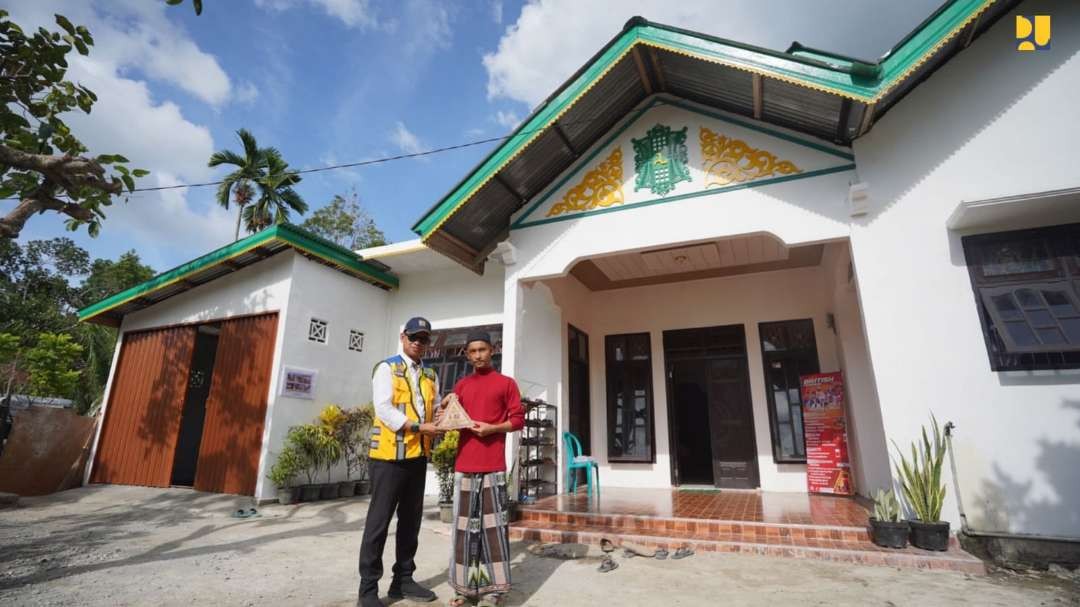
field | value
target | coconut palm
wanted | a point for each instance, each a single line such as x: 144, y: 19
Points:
x: 276, y: 196
x: 251, y: 166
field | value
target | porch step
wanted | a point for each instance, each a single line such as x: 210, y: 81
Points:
x: 691, y: 528
x: 770, y: 544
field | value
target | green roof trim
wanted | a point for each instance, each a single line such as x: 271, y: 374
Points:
x: 812, y: 68
x: 286, y: 233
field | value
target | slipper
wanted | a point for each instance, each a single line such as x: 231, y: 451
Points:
x: 241, y: 513
x: 253, y: 512
x: 459, y: 600
x: 661, y: 554
x: 607, y: 565
x: 682, y: 553
x: 606, y: 545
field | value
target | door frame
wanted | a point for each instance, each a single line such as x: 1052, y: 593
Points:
x: 745, y: 355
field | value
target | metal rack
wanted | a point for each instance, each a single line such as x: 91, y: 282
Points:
x: 538, y: 451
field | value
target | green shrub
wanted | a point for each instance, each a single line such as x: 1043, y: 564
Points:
x: 920, y: 477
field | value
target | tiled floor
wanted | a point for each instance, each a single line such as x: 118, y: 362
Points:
x: 728, y: 505
x: 776, y: 524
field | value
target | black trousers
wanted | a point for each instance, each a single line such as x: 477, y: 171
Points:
x: 396, y: 486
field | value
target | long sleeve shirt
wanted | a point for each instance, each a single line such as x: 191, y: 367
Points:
x: 382, y: 393
x: 491, y: 397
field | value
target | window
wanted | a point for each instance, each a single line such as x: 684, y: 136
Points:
x: 317, y: 330
x: 629, y: 398
x: 356, y: 340
x: 1027, y: 290
x: 446, y: 354
x: 788, y: 351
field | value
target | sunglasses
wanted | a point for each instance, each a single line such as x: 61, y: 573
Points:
x: 420, y: 339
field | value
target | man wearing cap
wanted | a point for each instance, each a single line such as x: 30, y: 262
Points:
x: 405, y: 393
x: 479, y: 541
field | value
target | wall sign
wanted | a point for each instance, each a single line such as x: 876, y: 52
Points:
x: 298, y: 383
x: 828, y: 469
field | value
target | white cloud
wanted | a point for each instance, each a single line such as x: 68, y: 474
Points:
x: 246, y: 93
x: 509, y: 120
x: 497, y: 11
x: 529, y: 64
x: 405, y: 140
x: 353, y: 13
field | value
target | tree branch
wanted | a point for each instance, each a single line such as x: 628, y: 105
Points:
x: 70, y: 173
x: 41, y: 199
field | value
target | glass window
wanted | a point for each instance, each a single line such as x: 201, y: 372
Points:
x: 630, y: 402
x: 1027, y: 287
x: 789, y: 351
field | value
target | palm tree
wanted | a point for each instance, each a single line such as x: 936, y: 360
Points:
x: 250, y: 168
x: 277, y: 198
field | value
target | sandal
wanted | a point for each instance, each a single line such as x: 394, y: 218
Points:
x: 606, y: 545
x: 661, y: 554
x: 683, y: 552
x: 459, y: 600
x: 607, y: 565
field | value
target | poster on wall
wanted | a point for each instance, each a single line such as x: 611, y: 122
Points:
x: 828, y: 469
x: 298, y: 383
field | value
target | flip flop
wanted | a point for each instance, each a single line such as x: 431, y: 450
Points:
x: 607, y: 565
x: 606, y: 545
x: 661, y: 554
x: 459, y: 600
x: 682, y: 553
x: 241, y: 513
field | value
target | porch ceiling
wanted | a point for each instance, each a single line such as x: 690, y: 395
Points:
x: 822, y: 94
x: 745, y: 255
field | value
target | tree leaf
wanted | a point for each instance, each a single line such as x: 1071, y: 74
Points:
x: 140, y: 172
x: 129, y: 182
x: 63, y: 22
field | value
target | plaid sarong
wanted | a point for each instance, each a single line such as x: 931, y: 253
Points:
x: 480, y: 543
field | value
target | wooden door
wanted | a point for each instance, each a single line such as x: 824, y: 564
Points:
x: 142, y: 418
x: 236, y: 407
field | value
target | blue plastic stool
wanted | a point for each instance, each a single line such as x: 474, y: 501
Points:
x: 575, y: 461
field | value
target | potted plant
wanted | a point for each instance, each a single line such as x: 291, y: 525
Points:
x: 443, y: 456
x: 306, y: 439
x: 289, y: 463
x: 924, y: 490
x: 886, y: 528
x: 354, y: 436
x: 332, y: 421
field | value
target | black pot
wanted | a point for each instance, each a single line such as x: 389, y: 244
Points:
x: 328, y: 491
x: 309, y: 493
x: 287, y: 495
x: 363, y: 487
x: 346, y: 488
x: 889, y: 534
x: 930, y: 536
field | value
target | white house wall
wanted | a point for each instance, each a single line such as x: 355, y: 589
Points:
x: 993, y: 122
x: 344, y: 376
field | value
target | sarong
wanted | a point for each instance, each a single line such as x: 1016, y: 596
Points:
x: 480, y: 542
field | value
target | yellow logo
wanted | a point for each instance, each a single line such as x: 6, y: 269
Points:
x: 1033, y: 33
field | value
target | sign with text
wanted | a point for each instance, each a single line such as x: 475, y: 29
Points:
x: 298, y: 383
x: 828, y: 469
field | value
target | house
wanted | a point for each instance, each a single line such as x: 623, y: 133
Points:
x: 665, y: 246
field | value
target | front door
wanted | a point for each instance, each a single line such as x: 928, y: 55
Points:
x: 191, y: 421
x: 709, y: 408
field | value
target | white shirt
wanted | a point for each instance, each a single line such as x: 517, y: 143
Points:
x: 382, y: 393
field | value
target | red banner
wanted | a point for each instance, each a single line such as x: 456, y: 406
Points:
x: 828, y: 469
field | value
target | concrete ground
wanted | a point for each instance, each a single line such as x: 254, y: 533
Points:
x: 136, y: 546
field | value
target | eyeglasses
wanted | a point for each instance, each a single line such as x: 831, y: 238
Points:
x: 420, y: 338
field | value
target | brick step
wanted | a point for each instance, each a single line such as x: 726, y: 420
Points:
x: 828, y: 550
x: 696, y: 528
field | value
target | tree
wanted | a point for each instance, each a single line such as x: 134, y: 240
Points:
x: 50, y: 365
x: 277, y: 198
x: 251, y: 166
x: 196, y: 4
x: 345, y: 222
x: 110, y: 277
x: 41, y: 161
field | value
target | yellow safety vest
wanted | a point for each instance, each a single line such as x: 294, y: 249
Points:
x: 388, y: 445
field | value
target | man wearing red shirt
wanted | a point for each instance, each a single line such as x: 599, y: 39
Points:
x: 480, y: 543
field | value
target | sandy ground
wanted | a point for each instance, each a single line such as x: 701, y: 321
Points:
x: 137, y: 546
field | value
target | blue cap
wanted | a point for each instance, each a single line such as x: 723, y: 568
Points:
x: 417, y: 325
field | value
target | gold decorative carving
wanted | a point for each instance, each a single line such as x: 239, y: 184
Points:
x: 730, y: 161
x: 601, y: 188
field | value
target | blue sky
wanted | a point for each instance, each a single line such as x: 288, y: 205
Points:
x: 334, y: 81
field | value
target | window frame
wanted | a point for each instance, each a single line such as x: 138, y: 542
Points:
x: 774, y: 424
x: 612, y: 366
x: 1004, y: 353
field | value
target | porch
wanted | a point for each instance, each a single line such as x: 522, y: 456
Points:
x: 749, y: 522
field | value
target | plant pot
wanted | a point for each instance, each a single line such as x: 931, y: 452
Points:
x: 287, y: 495
x: 889, y: 534
x: 309, y: 493
x: 363, y: 487
x: 446, y: 512
x: 346, y: 488
x: 513, y: 508
x: 930, y: 536
x: 328, y: 491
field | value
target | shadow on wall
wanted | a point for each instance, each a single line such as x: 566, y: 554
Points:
x: 1008, y: 503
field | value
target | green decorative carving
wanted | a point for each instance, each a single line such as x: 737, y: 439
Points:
x: 660, y: 160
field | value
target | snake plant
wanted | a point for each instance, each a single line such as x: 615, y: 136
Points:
x: 920, y: 477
